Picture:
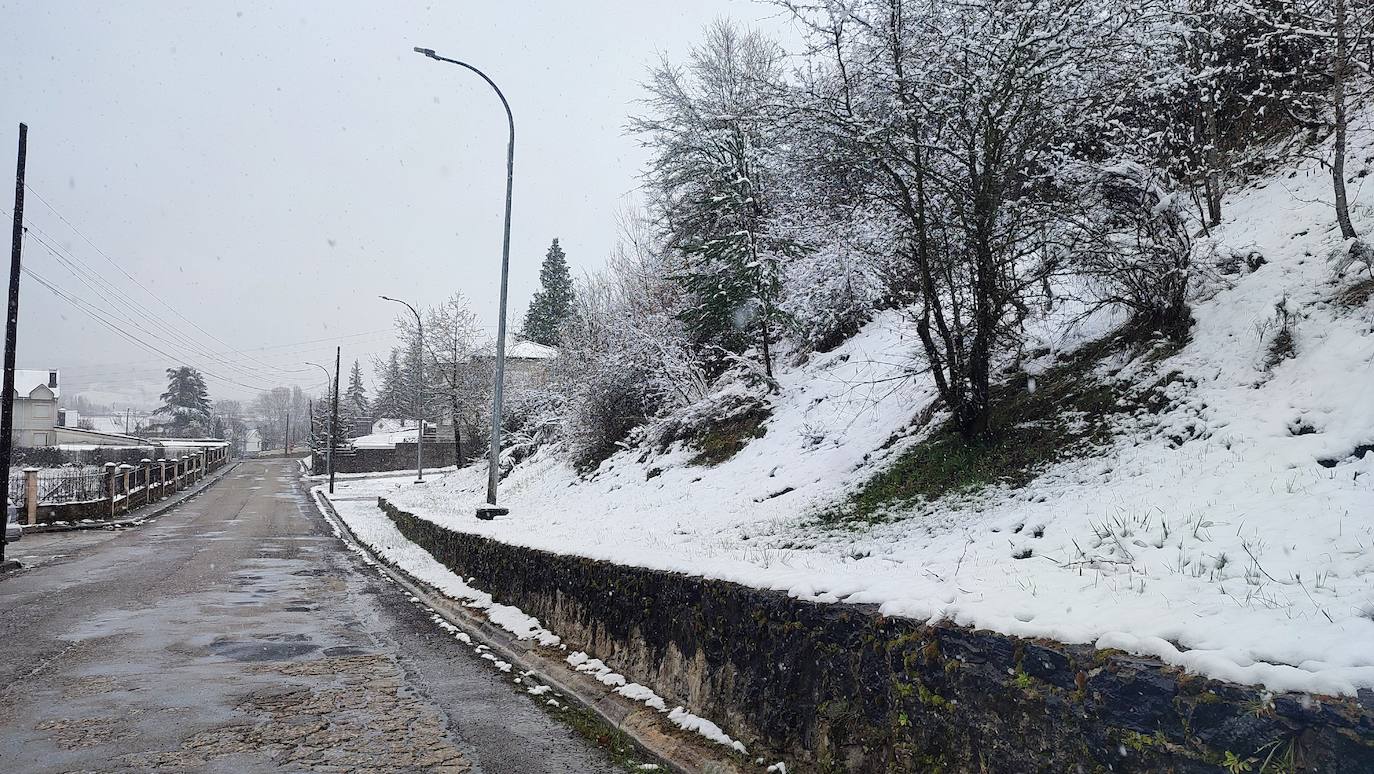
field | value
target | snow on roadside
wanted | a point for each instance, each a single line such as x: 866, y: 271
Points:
x: 373, y: 528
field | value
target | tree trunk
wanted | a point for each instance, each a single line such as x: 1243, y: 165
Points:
x: 457, y: 433
x: 1338, y: 78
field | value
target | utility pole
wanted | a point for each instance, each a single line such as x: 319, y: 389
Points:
x: 12, y: 332
x: 334, y: 419
x: 287, y: 443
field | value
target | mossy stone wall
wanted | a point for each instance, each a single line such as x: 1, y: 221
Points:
x: 839, y: 687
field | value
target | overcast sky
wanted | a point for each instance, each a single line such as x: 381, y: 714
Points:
x: 266, y: 169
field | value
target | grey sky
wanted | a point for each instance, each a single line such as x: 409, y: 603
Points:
x: 268, y: 168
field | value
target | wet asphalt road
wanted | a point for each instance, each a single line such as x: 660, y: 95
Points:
x: 237, y: 634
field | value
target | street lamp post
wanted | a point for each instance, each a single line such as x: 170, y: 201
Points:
x: 491, y: 510
x: 419, y: 386
x: 333, y: 424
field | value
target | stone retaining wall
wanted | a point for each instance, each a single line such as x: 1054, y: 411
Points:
x: 839, y: 687
x: 437, y: 454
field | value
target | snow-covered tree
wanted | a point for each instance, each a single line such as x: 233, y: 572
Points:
x: 711, y: 129
x: 954, y: 121
x: 392, y: 398
x: 186, y: 402
x: 1336, y: 38
x: 458, y: 386
x: 552, y: 303
x: 356, y: 394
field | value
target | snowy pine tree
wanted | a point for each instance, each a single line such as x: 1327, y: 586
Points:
x: 390, y: 401
x: 186, y: 401
x: 552, y: 302
x: 356, y: 394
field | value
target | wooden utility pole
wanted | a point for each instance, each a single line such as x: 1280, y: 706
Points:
x: 334, y: 419
x: 11, y: 333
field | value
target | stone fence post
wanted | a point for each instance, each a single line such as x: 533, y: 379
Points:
x: 110, y: 487
x: 31, y: 494
x: 126, y: 472
x: 147, y: 465
x: 161, y: 477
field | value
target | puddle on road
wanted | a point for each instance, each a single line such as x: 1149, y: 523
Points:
x: 254, y: 651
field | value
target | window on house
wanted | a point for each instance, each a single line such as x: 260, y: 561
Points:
x: 40, y: 439
x: 42, y: 410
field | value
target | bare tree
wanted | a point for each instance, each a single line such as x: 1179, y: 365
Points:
x: 960, y: 116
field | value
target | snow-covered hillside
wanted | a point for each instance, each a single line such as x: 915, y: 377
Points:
x: 1245, y: 552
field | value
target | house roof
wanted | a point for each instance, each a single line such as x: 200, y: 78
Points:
x: 519, y: 349
x: 26, y: 380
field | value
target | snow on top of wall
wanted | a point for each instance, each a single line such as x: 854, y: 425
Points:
x: 1241, y: 554
x: 384, y: 440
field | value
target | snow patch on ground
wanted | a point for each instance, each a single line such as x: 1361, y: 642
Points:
x: 689, y: 722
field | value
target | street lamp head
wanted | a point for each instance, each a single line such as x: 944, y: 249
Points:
x: 429, y: 52
x: 386, y: 298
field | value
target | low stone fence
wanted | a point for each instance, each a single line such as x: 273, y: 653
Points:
x: 122, y: 487
x: 437, y: 454
x: 839, y: 687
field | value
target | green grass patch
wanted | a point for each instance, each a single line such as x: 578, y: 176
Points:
x: 723, y: 439
x: 623, y: 751
x: 1069, y: 413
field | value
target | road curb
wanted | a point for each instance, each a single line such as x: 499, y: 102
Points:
x: 139, y: 517
x: 644, y: 725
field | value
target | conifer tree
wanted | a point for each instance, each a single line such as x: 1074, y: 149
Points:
x: 553, y: 302
x: 186, y: 401
x: 356, y: 394
x: 390, y: 402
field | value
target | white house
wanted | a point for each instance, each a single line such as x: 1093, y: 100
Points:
x: 528, y: 363
x: 35, y: 407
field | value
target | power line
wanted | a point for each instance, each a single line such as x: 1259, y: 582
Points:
x: 99, y: 317
x: 326, y: 342
x: 121, y: 270
x: 113, y: 317
x: 131, y: 313
x: 170, y: 335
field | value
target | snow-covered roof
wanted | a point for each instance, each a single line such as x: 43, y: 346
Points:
x: 68, y: 434
x: 109, y: 424
x: 391, y: 425
x: 189, y: 443
x: 519, y: 349
x: 26, y: 380
x: 384, y: 440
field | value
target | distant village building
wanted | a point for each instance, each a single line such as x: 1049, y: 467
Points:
x: 35, y: 407
x: 252, y: 443
x: 528, y: 365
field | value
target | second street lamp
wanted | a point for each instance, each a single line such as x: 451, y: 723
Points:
x: 419, y: 388
x: 333, y: 415
x: 491, y: 510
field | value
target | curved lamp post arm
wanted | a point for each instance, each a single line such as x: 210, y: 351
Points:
x: 327, y: 376
x: 510, y: 118
x: 419, y: 391
x: 330, y: 381
x: 493, y: 464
